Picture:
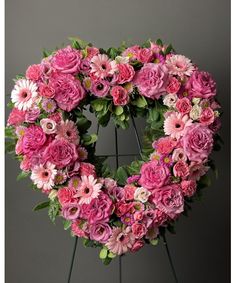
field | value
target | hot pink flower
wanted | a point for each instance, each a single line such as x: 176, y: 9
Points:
x: 173, y: 86
x: 34, y: 72
x: 139, y: 230
x: 145, y: 55
x: 164, y: 145
x: 102, y: 66
x: 120, y: 95
x: 33, y: 139
x: 125, y: 73
x: 183, y: 105
x: 181, y: 169
x: 100, y: 232
x: 66, y: 196
x: 207, y: 116
x: 46, y: 90
x: 188, y: 187
x: 68, y: 130
x: 16, y: 117
x: 100, y: 88
x: 79, y: 228
x: 87, y: 169
x: 137, y: 245
x: 152, y: 80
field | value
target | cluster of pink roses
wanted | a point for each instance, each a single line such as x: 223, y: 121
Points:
x: 121, y: 218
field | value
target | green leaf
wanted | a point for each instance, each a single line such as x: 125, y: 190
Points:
x: 78, y: 43
x: 103, y: 253
x: 107, y: 260
x: 119, y: 110
x: 121, y: 175
x: 141, y: 102
x: 41, y: 205
x: 89, y: 139
x: 111, y: 255
x: 159, y: 42
x: 169, y: 48
x: 54, y: 209
x: 22, y: 175
x: 67, y: 224
x: 154, y: 242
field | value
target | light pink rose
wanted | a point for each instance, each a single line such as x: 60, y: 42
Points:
x: 33, y: 139
x: 139, y: 230
x: 183, y: 105
x: 201, y: 84
x: 197, y: 142
x: 145, y: 55
x: 100, y: 232
x: 173, y: 86
x: 138, y: 244
x: 16, y: 117
x: 32, y: 115
x: 169, y: 199
x: 164, y: 145
x: 68, y: 91
x: 120, y: 95
x: 197, y: 170
x: 207, y: 116
x: 152, y: 80
x: 34, y: 72
x: 61, y: 153
x: 46, y: 90
x: 153, y: 175
x: 66, y: 60
x: 125, y: 73
x: 188, y: 187
x: 181, y: 169
x: 179, y: 154
x: 66, y: 195
x: 87, y: 169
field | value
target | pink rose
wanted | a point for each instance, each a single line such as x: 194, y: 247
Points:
x: 173, y: 86
x: 145, y: 55
x: 138, y: 244
x: 32, y: 115
x: 125, y: 73
x: 68, y: 91
x: 100, y: 88
x: 169, y: 199
x: 100, y: 232
x: 181, y: 169
x: 46, y: 91
x: 61, y: 153
x: 87, y: 169
x: 123, y: 208
x: 164, y: 145
x: 207, y: 116
x: 129, y: 192
x: 183, y: 105
x: 66, y: 195
x: 139, y: 230
x: 71, y: 211
x: 34, y: 72
x: 188, y: 187
x: 33, y: 139
x: 152, y: 80
x: 120, y: 95
x: 79, y: 228
x: 16, y: 117
x: 66, y: 60
x: 197, y: 142
x: 201, y: 84
x: 153, y: 175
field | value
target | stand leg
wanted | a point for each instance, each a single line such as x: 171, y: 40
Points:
x: 72, y: 259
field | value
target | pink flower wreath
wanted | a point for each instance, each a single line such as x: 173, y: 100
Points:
x: 117, y: 211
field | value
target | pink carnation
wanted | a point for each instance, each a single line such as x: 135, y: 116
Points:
x: 183, y: 105
x: 66, y: 195
x: 16, y: 117
x: 181, y: 169
x: 120, y: 95
x: 207, y: 116
x: 34, y: 72
x: 33, y: 139
x: 125, y: 73
x: 129, y: 192
x: 188, y: 187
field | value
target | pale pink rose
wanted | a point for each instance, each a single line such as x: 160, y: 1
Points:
x: 173, y: 86
x: 125, y: 73
x: 181, y: 169
x: 46, y: 90
x: 197, y: 170
x: 152, y: 80
x: 197, y: 142
x: 183, y: 105
x: 16, y: 117
x: 66, y: 196
x: 79, y: 228
x: 145, y: 55
x: 33, y: 139
x: 164, y: 145
x: 179, y: 154
x: 169, y: 199
x: 188, y: 187
x: 207, y: 116
x: 87, y: 169
x: 68, y: 91
x: 66, y: 60
x: 100, y: 232
x: 138, y: 244
x: 61, y: 153
x: 34, y: 72
x: 138, y: 216
x: 138, y: 230
x: 152, y: 232
x: 201, y: 84
x: 49, y: 126
x: 120, y: 95
x: 153, y: 175
x: 32, y: 115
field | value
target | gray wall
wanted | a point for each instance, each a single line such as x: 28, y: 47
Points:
x: 39, y: 252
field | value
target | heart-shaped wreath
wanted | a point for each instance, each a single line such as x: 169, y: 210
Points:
x: 117, y: 211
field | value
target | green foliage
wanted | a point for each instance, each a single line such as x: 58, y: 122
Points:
x: 89, y: 139
x: 22, y: 175
x: 54, y: 208
x: 154, y: 242
x: 66, y: 224
x: 78, y: 43
x: 103, y: 253
x: 140, y: 102
x: 101, y: 107
x: 121, y: 175
x: 159, y: 42
x: 41, y: 205
x: 135, y: 167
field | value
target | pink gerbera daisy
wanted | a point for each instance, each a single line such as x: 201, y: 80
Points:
x: 43, y: 176
x: 120, y: 241
x: 88, y: 189
x: 102, y: 66
x: 68, y: 130
x: 179, y: 65
x: 24, y: 94
x: 175, y: 124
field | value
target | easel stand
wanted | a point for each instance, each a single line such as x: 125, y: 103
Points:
x: 117, y: 155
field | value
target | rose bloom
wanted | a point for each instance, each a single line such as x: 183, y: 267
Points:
x: 100, y: 232
x: 79, y: 228
x: 201, y: 84
x: 68, y: 91
x: 173, y: 86
x: 141, y: 194
x: 139, y: 230
x: 179, y: 154
x: 61, y: 153
x: 138, y: 244
x: 33, y: 139
x: 16, y: 117
x: 48, y: 126
x: 66, y: 60
x: 129, y: 192
x: 188, y: 187
x: 32, y: 114
x: 125, y: 73
x: 34, y: 72
x: 169, y: 199
x: 122, y: 208
x: 46, y: 90
x: 153, y: 175
x: 164, y: 145
x: 120, y: 95
x: 145, y: 55
x: 152, y: 80
x: 100, y: 88
x: 181, y: 169
x: 87, y: 169
x: 207, y: 116
x: 71, y: 211
x: 183, y: 105
x: 197, y: 142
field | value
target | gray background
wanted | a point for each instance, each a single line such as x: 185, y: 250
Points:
x: 39, y: 252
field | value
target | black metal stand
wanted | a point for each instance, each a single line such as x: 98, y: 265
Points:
x: 117, y: 155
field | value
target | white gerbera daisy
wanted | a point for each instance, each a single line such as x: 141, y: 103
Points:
x: 24, y: 94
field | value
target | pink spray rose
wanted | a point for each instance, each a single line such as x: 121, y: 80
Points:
x: 46, y: 90
x: 145, y: 55
x: 207, y: 116
x: 197, y: 142
x: 79, y: 228
x: 100, y: 232
x: 169, y: 199
x: 87, y: 169
x: 71, y: 211
x: 139, y: 230
x: 173, y: 86
x: 153, y: 175
x: 100, y: 88
x: 34, y: 72
x: 201, y: 84
x: 152, y: 80
x: 181, y: 169
x: 164, y: 145
x: 68, y: 91
x: 61, y: 153
x: 183, y: 105
x: 188, y: 187
x: 125, y: 73
x: 66, y: 60
x: 33, y: 139
x: 120, y: 95
x: 16, y: 117
x: 138, y: 244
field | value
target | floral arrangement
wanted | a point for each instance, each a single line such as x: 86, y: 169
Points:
x: 116, y: 210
